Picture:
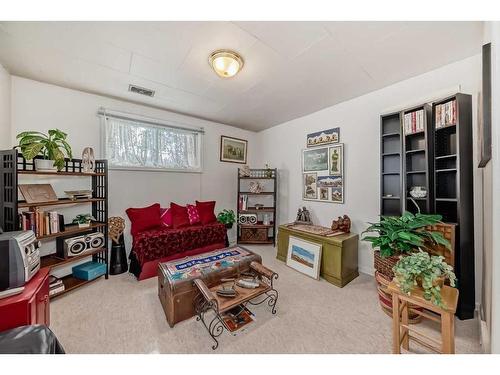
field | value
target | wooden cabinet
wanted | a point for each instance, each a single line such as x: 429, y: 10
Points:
x: 29, y: 307
x: 339, y: 259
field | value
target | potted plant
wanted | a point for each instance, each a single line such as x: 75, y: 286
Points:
x: 83, y: 220
x: 52, y: 147
x: 402, y: 235
x: 227, y: 218
x: 428, y: 272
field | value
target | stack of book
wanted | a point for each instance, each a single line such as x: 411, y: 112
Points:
x: 414, y: 122
x: 55, y: 285
x: 41, y: 223
x: 446, y: 114
x: 243, y: 203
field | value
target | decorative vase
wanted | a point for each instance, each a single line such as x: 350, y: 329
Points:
x: 45, y: 165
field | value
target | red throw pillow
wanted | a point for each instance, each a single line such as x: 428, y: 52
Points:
x: 193, y: 215
x: 206, y: 211
x: 180, y: 216
x: 166, y: 217
x: 144, y: 218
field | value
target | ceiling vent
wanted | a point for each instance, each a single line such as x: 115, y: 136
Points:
x: 141, y: 90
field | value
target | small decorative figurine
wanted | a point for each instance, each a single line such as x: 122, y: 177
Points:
x: 88, y: 160
x: 269, y: 171
x: 256, y: 187
x: 418, y: 191
x: 342, y: 224
x: 245, y: 171
x: 303, y: 216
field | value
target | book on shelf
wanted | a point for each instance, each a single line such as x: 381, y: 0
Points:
x: 243, y: 202
x: 446, y: 114
x: 56, y: 285
x: 41, y: 223
x: 413, y: 122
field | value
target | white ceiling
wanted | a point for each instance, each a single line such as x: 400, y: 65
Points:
x: 291, y: 68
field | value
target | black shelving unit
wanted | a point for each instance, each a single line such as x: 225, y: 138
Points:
x: 453, y: 192
x: 439, y: 158
x: 418, y: 162
x: 391, y: 199
x: 12, y: 165
x: 270, y: 229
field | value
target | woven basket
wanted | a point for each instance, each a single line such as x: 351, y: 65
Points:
x: 384, y: 265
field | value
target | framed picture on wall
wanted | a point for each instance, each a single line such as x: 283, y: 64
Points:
x: 315, y: 159
x: 484, y: 110
x: 336, y: 160
x: 233, y: 150
x: 323, y: 137
x: 310, y: 186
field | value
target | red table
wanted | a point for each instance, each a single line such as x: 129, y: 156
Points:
x: 29, y: 307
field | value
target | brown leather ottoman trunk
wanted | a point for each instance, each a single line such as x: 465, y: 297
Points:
x: 177, y: 290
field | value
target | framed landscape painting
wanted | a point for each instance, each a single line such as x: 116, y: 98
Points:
x: 304, y: 256
x: 315, y: 160
x: 233, y: 150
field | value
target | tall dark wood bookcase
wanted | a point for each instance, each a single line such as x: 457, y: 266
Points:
x: 439, y: 158
x: 258, y: 233
x: 453, y: 191
x: 418, y: 162
x: 391, y: 200
x: 12, y: 165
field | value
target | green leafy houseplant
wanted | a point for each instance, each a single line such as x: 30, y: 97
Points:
x: 83, y: 220
x: 51, y: 146
x: 226, y: 217
x: 427, y: 271
x: 404, y: 234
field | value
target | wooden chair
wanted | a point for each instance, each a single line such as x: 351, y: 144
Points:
x: 401, y: 330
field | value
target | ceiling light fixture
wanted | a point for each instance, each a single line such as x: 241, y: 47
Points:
x: 225, y: 63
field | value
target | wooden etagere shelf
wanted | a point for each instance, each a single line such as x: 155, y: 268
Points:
x: 258, y: 233
x: 12, y: 165
x: 436, y: 156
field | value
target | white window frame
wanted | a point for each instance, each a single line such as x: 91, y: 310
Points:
x: 149, y: 122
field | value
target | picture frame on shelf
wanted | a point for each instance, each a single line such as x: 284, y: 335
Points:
x: 310, y: 188
x: 38, y: 193
x: 304, y: 256
x: 314, y: 160
x: 323, y: 137
x: 233, y: 150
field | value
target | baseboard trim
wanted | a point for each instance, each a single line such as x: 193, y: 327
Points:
x: 367, y: 270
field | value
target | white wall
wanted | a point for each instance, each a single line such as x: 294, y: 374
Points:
x: 359, y: 122
x: 494, y: 266
x: 40, y: 106
x: 4, y: 108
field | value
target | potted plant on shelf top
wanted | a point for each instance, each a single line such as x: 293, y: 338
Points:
x: 52, y: 147
x: 402, y: 235
x: 83, y: 220
x: 428, y: 272
x: 227, y: 218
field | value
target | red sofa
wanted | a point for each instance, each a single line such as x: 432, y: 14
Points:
x: 161, y: 244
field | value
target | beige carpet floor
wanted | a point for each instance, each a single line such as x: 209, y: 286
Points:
x: 122, y: 315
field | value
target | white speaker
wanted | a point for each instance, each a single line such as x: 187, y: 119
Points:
x: 247, y: 219
x: 78, y: 245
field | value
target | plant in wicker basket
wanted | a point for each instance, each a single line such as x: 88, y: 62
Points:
x: 426, y: 271
x: 404, y: 234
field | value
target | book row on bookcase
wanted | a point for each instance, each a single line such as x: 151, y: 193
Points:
x: 414, y: 122
x: 42, y: 223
